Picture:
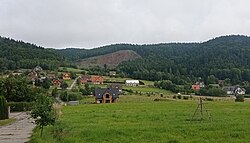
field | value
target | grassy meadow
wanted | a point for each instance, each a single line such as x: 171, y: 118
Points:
x: 70, y: 69
x: 140, y: 119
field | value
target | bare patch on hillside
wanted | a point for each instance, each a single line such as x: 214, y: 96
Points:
x: 112, y: 59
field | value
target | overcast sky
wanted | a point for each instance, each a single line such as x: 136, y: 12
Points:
x: 93, y: 23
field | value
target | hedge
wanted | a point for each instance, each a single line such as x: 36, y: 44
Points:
x: 20, y: 106
x: 3, y: 109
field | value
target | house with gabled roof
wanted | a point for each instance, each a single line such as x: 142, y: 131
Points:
x: 51, y: 76
x: 32, y: 76
x: 115, y: 86
x: 85, y: 79
x: 37, y: 69
x: 233, y: 90
x: 66, y: 76
x: 97, y: 79
x: 112, y: 73
x: 106, y: 95
x: 198, y: 85
x: 57, y: 82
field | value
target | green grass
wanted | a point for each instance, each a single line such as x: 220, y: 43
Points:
x: 118, y: 79
x: 114, y: 79
x: 69, y: 82
x: 7, y: 121
x: 70, y: 69
x: 145, y: 89
x: 138, y: 119
x: 146, y: 82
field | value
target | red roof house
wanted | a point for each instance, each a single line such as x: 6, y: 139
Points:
x: 196, y: 87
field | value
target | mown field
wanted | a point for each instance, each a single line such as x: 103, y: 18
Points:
x: 140, y: 119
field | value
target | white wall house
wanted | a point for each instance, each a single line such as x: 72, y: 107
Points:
x: 240, y: 91
x: 132, y: 82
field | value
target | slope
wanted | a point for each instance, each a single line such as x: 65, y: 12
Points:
x: 18, y: 54
x: 112, y: 59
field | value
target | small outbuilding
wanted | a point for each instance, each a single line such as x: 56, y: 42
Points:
x: 132, y: 82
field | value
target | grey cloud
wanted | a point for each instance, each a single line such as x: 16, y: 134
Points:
x: 91, y: 23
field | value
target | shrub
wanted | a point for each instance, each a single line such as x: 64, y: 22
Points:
x: 73, y: 96
x: 174, y: 97
x: 3, y: 109
x: 185, y: 97
x: 179, y: 96
x: 20, y: 106
x: 239, y: 98
x: 209, y: 99
x: 161, y: 95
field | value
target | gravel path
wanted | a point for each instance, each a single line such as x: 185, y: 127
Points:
x: 19, y: 131
x: 73, y: 84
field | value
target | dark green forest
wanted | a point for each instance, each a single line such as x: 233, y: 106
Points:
x: 226, y: 57
x: 18, y: 54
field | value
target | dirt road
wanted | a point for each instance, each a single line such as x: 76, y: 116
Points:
x: 19, y: 131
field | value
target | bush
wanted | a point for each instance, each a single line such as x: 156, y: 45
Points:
x: 239, y: 98
x: 174, y: 97
x: 209, y: 99
x: 20, y: 106
x: 179, y: 96
x: 185, y: 97
x: 73, y: 96
x: 246, y: 96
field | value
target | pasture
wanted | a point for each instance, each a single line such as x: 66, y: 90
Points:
x: 140, y: 119
x: 67, y: 69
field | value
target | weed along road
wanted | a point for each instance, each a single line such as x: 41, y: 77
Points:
x: 19, y: 131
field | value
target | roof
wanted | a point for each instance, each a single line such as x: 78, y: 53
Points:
x: 37, y: 68
x: 115, y: 85
x: 99, y: 92
x: 96, y: 78
x: 132, y: 81
x: 233, y: 88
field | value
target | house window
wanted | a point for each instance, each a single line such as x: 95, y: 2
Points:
x: 107, y: 95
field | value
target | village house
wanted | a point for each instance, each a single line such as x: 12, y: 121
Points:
x: 94, y: 79
x: 112, y: 73
x: 57, y: 82
x: 32, y: 76
x: 106, y: 95
x: 233, y: 90
x: 97, y: 79
x: 198, y: 85
x: 116, y: 86
x: 85, y: 79
x: 51, y: 76
x: 132, y: 82
x: 66, y: 76
x: 37, y: 69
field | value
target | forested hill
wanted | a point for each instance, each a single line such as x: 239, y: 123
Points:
x: 18, y: 54
x: 226, y: 57
x: 222, y: 57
